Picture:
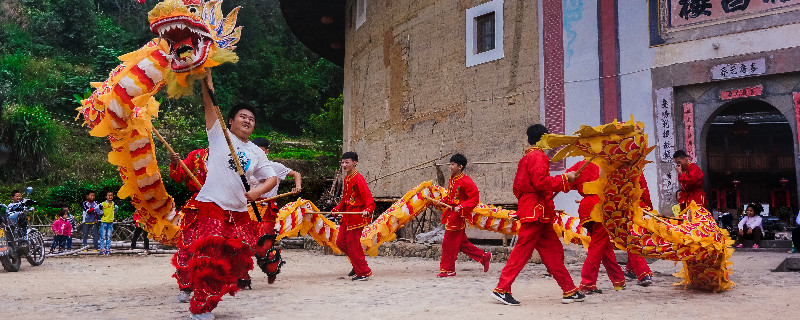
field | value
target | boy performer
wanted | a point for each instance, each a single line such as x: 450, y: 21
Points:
x: 220, y: 227
x: 637, y: 267
x: 355, y: 198
x: 534, y: 189
x: 690, y: 176
x: 196, y: 162
x: 600, y: 248
x: 463, y: 196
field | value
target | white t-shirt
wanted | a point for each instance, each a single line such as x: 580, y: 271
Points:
x: 223, y: 185
x: 281, y: 172
x: 751, y: 222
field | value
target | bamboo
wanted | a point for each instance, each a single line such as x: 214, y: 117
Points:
x: 578, y: 172
x: 660, y: 217
x: 183, y: 165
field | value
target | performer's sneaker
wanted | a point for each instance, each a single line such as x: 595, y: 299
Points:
x: 202, y: 316
x: 360, y: 278
x: 593, y: 291
x: 445, y: 274
x: 575, y: 297
x: 487, y: 258
x: 618, y: 288
x: 184, y: 296
x: 505, y: 298
x: 352, y: 273
x: 646, y: 281
x: 630, y: 275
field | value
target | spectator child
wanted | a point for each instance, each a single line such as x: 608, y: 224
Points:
x: 74, y: 225
x: 750, y: 227
x: 139, y: 232
x: 62, y: 230
x: 91, y: 215
x: 107, y: 223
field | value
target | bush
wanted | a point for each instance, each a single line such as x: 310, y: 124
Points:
x: 32, y: 137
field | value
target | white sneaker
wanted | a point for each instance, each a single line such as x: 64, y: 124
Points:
x: 184, y: 296
x: 202, y: 316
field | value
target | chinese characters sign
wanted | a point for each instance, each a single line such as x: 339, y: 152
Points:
x: 665, y: 125
x: 741, y: 93
x: 739, y: 69
x: 688, y: 125
x: 684, y: 12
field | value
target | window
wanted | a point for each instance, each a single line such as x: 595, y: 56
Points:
x: 361, y: 12
x: 485, y: 24
x: 484, y: 33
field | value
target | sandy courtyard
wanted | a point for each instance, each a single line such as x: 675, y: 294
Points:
x: 314, y: 286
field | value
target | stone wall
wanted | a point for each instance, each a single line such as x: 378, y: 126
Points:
x: 409, y: 97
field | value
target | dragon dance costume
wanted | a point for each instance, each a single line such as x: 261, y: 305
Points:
x: 636, y: 264
x: 534, y: 189
x: 463, y: 193
x: 600, y: 248
x: 196, y: 162
x: 356, y: 197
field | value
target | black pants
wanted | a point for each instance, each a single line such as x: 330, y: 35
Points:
x: 59, y: 241
x: 755, y: 235
x: 796, y: 238
x: 136, y: 233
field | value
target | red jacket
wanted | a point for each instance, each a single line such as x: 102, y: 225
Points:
x: 590, y: 173
x: 691, y: 180
x: 645, y: 200
x: 463, y: 193
x: 534, y: 187
x: 355, y: 198
x: 196, y: 162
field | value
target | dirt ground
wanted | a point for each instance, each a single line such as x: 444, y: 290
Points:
x: 313, y: 285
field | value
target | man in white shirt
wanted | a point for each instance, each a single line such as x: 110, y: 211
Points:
x: 223, y: 242
x: 750, y: 226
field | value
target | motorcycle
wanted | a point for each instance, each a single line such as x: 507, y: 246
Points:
x: 17, y: 240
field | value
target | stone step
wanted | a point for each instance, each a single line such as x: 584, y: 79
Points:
x: 765, y: 244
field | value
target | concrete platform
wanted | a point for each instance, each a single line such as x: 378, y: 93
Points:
x: 791, y: 264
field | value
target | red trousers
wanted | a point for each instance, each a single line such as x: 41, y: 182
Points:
x: 453, y: 242
x: 541, y: 237
x: 638, y: 266
x: 220, y: 253
x: 600, y: 251
x: 349, y: 242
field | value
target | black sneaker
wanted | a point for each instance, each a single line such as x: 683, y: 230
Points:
x: 630, y: 275
x: 575, y: 297
x: 505, y: 298
x: 592, y: 291
x: 646, y: 281
x: 352, y: 273
x: 244, y: 284
x: 360, y: 278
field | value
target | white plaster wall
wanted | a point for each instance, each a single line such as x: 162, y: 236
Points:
x: 636, y: 59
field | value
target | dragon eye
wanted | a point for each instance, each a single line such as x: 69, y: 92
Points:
x: 193, y: 10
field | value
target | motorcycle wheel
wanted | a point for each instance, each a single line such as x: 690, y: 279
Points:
x: 36, y: 253
x: 11, y: 262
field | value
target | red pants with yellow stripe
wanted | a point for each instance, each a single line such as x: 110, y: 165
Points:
x: 541, y: 237
x: 453, y: 242
x: 600, y: 251
x: 638, y: 266
x: 349, y: 241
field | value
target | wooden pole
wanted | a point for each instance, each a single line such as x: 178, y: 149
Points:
x: 660, y: 217
x: 275, y: 197
x: 183, y: 165
x: 234, y: 156
x: 438, y: 202
x: 578, y: 172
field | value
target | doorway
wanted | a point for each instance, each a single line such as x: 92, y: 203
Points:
x: 750, y: 157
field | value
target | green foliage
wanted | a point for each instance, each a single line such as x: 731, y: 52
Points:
x: 72, y: 194
x: 31, y: 135
x: 298, y: 153
x: 327, y: 125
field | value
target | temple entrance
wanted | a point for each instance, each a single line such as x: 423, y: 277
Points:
x: 750, y: 157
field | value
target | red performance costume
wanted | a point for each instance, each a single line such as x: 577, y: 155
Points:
x: 196, y: 163
x: 600, y: 248
x: 691, y: 180
x: 355, y: 198
x: 534, y: 189
x: 636, y: 263
x: 463, y: 193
